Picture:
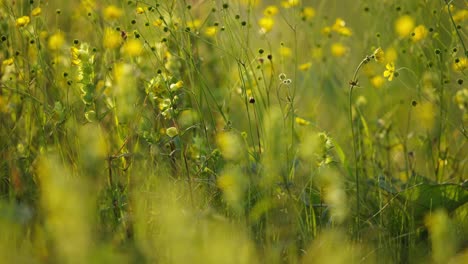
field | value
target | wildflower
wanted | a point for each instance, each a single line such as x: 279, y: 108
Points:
x: 172, y: 132
x: 36, y: 11
x: 379, y: 55
x: 404, y: 26
x: 111, y: 39
x: 302, y: 121
x: 211, y: 31
x: 140, y: 10
x: 56, y: 41
x: 8, y: 62
x: 22, y: 21
x: 460, y: 16
x: 266, y: 24
x: 391, y: 54
x: 132, y: 48
x: 338, y: 49
x: 75, y: 54
x: 112, y: 12
x: 308, y: 13
x: 461, y: 99
x: 290, y: 3
x: 420, y: 32
x: 390, y: 71
x: 176, y: 86
x: 157, y: 22
x: 377, y: 81
x: 194, y: 24
x: 340, y: 28
x: 270, y: 10
x: 305, y: 66
x: 460, y: 64
x: 285, y: 51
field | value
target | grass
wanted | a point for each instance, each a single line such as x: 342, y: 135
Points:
x: 233, y: 131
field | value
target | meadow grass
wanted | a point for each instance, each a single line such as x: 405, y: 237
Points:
x: 244, y: 131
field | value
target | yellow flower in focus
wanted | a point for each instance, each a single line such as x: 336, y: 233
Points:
x: 211, y: 31
x: 420, y: 32
x: 270, y: 10
x: 460, y: 65
x: 111, y: 39
x: 290, y: 3
x: 140, y: 10
x: 112, y: 12
x: 379, y: 55
x: 132, y: 48
x: 338, y: 49
x: 340, y: 28
x: 302, y: 121
x: 390, y: 71
x: 172, y: 132
x: 22, y: 21
x: 266, y: 24
x: 308, y: 13
x: 377, y: 81
x: 56, y: 41
x: 404, y: 26
x: 36, y: 11
x: 305, y: 66
x: 8, y: 62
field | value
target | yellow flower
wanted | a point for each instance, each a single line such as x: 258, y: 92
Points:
x: 391, y: 54
x: 132, y: 48
x: 285, y: 51
x: 22, y: 21
x: 140, y: 10
x: 211, y: 31
x: 338, y: 49
x: 461, y: 99
x: 266, y: 24
x: 302, y: 121
x: 420, y: 32
x: 172, y: 132
x: 379, y: 55
x: 194, y: 24
x: 270, y: 10
x: 56, y: 41
x: 112, y: 12
x: 111, y: 39
x: 460, y: 15
x: 290, y: 3
x: 157, y: 22
x: 460, y: 65
x: 390, y: 71
x: 36, y: 11
x: 404, y: 26
x: 377, y: 81
x: 340, y: 28
x: 308, y: 13
x: 176, y: 86
x: 305, y: 66
x: 8, y: 62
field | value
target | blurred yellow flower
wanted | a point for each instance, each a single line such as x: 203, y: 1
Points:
x: 140, y: 10
x: 112, y: 12
x: 308, y: 13
x: 391, y: 54
x: 270, y: 10
x: 290, y: 3
x: 111, y: 39
x: 404, y: 26
x: 211, y: 31
x: 340, y: 28
x: 460, y: 64
x: 285, y: 51
x: 266, y: 24
x: 338, y: 49
x: 132, y: 48
x: 36, y: 11
x: 194, y: 24
x: 377, y: 81
x: 157, y: 22
x: 8, y: 62
x: 56, y: 41
x: 305, y: 66
x: 302, y: 121
x: 460, y: 15
x: 379, y: 55
x: 22, y: 21
x: 75, y: 56
x: 172, y: 132
x: 176, y: 86
x: 420, y: 32
x: 461, y: 99
x: 390, y: 71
